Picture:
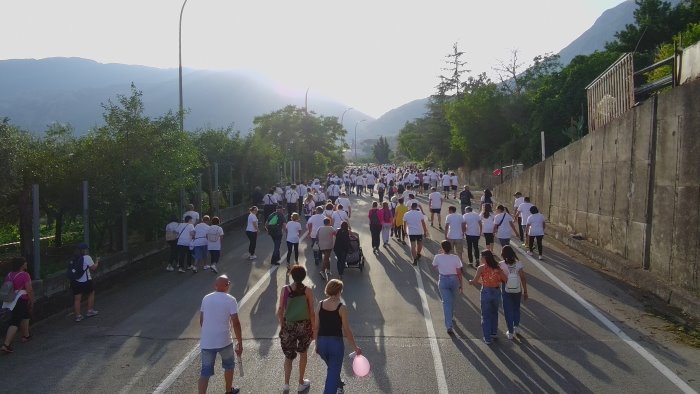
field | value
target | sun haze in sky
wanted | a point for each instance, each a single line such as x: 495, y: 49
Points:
x: 372, y: 55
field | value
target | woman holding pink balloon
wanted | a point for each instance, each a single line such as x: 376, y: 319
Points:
x: 333, y: 325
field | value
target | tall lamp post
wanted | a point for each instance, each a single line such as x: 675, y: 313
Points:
x: 343, y: 116
x: 179, y: 46
x: 357, y: 123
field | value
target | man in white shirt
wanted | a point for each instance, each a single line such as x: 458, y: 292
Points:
x: 473, y: 230
x: 414, y: 226
x: 345, y: 202
x: 315, y: 222
x: 333, y: 192
x: 194, y: 215
x: 269, y: 203
x: 523, y: 213
x: 446, y: 182
x: 454, y: 183
x: 370, y: 183
x: 217, y: 315
x: 292, y: 197
x: 519, y: 199
x: 454, y: 231
x: 435, y: 199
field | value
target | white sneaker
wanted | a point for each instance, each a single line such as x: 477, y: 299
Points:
x: 206, y: 267
x: 194, y: 269
x: 213, y: 269
x: 304, y: 386
x: 529, y: 253
x: 516, y: 330
x: 540, y: 257
x: 285, y: 388
x: 509, y: 334
x: 252, y: 257
x: 169, y: 268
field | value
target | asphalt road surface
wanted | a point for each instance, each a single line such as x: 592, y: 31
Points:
x: 582, y: 332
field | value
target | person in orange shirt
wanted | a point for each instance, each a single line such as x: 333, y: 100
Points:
x: 490, y: 276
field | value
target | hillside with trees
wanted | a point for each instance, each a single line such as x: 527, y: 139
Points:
x: 475, y: 121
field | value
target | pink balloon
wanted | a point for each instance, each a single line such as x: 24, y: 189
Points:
x: 360, y: 366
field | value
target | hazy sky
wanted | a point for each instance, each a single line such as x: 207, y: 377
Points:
x: 372, y: 55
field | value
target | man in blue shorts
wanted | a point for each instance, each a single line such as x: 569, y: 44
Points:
x: 414, y: 225
x: 218, y: 314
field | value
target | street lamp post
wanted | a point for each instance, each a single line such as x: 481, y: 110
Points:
x: 357, y: 123
x: 179, y: 45
x: 343, y: 116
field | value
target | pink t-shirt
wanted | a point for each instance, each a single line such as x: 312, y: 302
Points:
x: 19, y: 281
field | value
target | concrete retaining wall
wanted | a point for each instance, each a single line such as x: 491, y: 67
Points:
x: 631, y: 188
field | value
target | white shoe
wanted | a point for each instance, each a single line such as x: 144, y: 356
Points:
x: 252, y: 257
x: 194, y: 269
x: 213, y: 269
x: 529, y: 253
x: 509, y: 334
x: 540, y: 257
x: 516, y: 330
x: 206, y: 267
x: 169, y: 268
x: 304, y: 386
x: 285, y: 388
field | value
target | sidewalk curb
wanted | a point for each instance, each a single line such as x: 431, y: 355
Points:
x: 635, y: 275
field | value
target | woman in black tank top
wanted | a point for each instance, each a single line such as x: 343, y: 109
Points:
x: 332, y: 326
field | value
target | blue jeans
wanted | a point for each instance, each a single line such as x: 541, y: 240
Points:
x: 332, y: 351
x: 448, y: 285
x: 490, y: 299
x: 277, y: 240
x: 511, y: 309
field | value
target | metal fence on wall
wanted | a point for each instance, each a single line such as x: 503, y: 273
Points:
x: 612, y: 93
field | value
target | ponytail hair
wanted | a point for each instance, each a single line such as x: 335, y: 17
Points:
x: 509, y: 255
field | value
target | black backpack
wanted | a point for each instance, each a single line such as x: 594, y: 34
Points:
x: 75, y: 269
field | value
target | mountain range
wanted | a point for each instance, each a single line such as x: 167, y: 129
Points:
x: 36, y: 93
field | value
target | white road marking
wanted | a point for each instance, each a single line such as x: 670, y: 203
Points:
x: 682, y: 385
x: 187, y: 360
x: 434, y: 348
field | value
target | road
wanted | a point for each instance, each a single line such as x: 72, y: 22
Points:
x: 582, y: 332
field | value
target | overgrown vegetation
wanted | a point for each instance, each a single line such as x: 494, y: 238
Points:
x: 477, y: 122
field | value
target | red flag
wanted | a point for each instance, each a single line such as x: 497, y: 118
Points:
x: 497, y: 172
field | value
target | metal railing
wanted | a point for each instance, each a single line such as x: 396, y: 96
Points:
x: 612, y: 93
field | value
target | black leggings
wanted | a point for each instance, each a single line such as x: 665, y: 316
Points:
x: 295, y: 246
x: 253, y: 241
x: 539, y: 242
x: 473, y: 245
x: 184, y: 256
x: 173, y: 252
x: 376, y: 230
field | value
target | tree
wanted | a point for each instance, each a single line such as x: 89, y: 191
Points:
x: 381, y: 151
x: 293, y: 134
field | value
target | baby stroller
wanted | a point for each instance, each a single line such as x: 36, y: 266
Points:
x: 355, y: 258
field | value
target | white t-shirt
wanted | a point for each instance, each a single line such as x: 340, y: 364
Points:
x: 454, y: 180
x: 334, y: 190
x: 214, y: 237
x: 172, y: 228
x: 217, y: 309
x: 184, y: 230
x: 447, y: 264
x: 194, y: 215
x: 506, y: 269
x: 270, y: 199
x: 435, y: 200
x: 293, y: 230
x: 338, y: 217
x: 487, y: 224
x: 316, y: 222
x: 292, y: 196
x: 200, y: 234
x: 536, y: 223
x: 454, y: 220
x: 252, y: 220
x: 345, y: 202
x: 414, y: 222
x: 87, y: 263
x: 370, y: 179
x: 504, y: 230
x: 524, y: 209
x: 446, y: 180
x: 518, y: 201
x: 472, y: 220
